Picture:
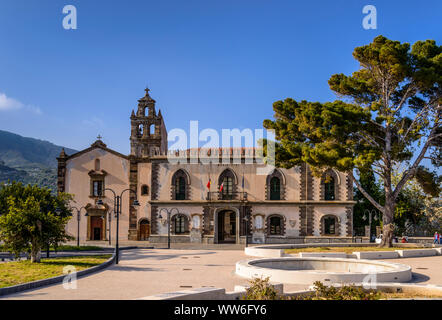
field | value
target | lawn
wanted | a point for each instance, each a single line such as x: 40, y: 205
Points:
x: 347, y: 250
x: 17, y: 272
x: 65, y: 248
x: 75, y: 248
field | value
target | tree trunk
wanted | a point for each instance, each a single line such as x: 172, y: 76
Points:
x: 388, y: 228
x: 35, y: 253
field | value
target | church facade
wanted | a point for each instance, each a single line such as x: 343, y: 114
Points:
x: 176, y: 197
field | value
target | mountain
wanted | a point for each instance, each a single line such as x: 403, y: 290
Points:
x: 29, y: 160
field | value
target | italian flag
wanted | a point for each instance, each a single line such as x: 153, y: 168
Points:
x: 208, y: 185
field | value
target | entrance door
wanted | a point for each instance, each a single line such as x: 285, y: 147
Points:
x: 97, y: 233
x: 220, y: 227
x: 96, y: 228
x: 226, y: 227
x: 144, y: 230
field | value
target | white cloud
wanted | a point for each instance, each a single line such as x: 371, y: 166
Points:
x: 8, y: 104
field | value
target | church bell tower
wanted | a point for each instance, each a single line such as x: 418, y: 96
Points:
x: 148, y: 132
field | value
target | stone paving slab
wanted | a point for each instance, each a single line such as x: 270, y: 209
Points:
x: 144, y: 272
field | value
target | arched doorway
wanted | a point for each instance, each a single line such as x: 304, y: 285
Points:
x: 227, y: 227
x: 144, y: 230
x: 96, y: 228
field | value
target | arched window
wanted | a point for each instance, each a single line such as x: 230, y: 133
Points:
x: 144, y: 190
x: 275, y: 184
x: 275, y: 225
x: 329, y: 189
x: 180, y: 185
x: 227, y: 185
x: 329, y: 226
x: 275, y: 189
x: 180, y: 224
x: 180, y: 188
x: 152, y: 129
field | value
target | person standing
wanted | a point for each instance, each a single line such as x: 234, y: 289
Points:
x: 436, y: 238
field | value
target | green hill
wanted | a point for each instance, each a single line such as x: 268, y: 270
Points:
x: 29, y: 160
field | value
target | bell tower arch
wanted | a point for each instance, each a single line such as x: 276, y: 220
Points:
x: 148, y: 132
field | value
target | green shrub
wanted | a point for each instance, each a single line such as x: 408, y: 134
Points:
x: 347, y: 292
x: 261, y: 289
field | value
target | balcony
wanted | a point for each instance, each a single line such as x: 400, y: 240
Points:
x: 216, y: 195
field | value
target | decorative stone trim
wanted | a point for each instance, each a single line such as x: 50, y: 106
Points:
x: 282, y: 224
x: 306, y: 182
x: 155, y: 181
x: 181, y: 173
x: 278, y: 174
x: 133, y: 183
x: 306, y: 220
x: 349, y: 215
x: 337, y: 226
x: 97, y: 211
x: 154, y: 220
x: 61, y: 171
x: 208, y: 215
x: 349, y: 186
x: 186, y: 223
x: 228, y: 173
x: 334, y: 175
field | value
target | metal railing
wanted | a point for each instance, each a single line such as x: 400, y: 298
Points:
x: 216, y: 195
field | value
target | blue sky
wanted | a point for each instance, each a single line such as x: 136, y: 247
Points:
x: 222, y: 63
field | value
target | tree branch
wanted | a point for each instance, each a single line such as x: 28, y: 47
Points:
x: 369, y: 198
x: 412, y: 170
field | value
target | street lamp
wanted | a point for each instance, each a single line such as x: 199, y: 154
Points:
x: 78, y: 223
x: 246, y: 220
x: 168, y: 222
x: 117, y: 205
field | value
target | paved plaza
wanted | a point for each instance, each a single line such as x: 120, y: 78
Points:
x: 144, y: 272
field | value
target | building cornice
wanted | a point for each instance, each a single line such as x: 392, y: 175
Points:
x: 266, y: 203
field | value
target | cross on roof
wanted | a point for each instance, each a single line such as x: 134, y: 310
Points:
x: 99, y: 137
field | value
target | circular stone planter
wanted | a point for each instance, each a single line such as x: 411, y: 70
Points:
x: 326, y: 270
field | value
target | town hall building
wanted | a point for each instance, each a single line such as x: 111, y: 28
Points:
x: 283, y: 206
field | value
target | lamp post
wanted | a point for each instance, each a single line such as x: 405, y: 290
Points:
x: 246, y: 220
x: 117, y: 203
x: 371, y: 213
x: 78, y: 223
x: 168, y: 222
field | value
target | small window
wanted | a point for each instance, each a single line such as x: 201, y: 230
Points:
x: 329, y: 186
x: 329, y: 225
x: 227, y: 192
x: 180, y: 188
x: 97, y: 188
x: 144, y: 190
x: 179, y: 224
x: 275, y: 189
x: 275, y: 225
x: 97, y: 164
